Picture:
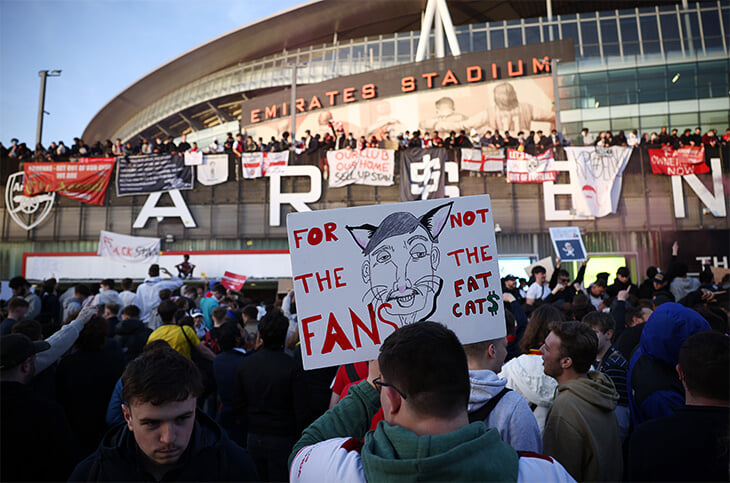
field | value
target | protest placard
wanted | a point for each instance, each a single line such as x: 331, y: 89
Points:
x: 568, y: 243
x: 372, y: 166
x: 361, y: 273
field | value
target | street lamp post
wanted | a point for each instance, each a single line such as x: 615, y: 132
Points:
x: 292, y: 135
x: 42, y: 101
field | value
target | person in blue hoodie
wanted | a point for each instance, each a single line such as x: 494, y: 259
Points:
x: 655, y: 388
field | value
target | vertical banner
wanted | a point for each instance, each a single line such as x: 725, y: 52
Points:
x: 213, y: 170
x: 361, y: 273
x: 600, y: 175
x: 486, y: 159
x: 526, y: 168
x: 423, y: 174
x: 568, y: 243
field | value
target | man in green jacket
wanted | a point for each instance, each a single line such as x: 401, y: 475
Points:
x: 421, y: 380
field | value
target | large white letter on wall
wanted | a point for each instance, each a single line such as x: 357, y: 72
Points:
x: 551, y: 190
x: 715, y: 203
x: 179, y: 210
x: 297, y: 200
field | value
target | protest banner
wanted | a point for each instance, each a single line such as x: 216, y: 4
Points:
x: 256, y: 165
x: 599, y: 173
x: 214, y: 169
x: 128, y: 249
x: 568, y: 243
x: 678, y: 162
x: 233, y: 281
x: 486, y: 159
x: 85, y: 181
x: 193, y: 158
x: 372, y: 167
x: 361, y: 273
x: 423, y: 174
x: 139, y: 175
x: 526, y: 168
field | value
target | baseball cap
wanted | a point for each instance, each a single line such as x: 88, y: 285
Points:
x: 196, y: 313
x: 661, y: 298
x: 510, y: 277
x: 16, y: 348
x: 659, y: 278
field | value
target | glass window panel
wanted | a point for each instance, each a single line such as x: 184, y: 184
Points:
x: 463, y: 41
x: 480, y: 41
x: 570, y: 31
x: 514, y: 37
x: 591, y: 50
x: 684, y: 120
x: 628, y: 30
x: 711, y: 29
x: 651, y: 47
x: 546, y: 32
x: 670, y: 27
x: 515, y: 21
x: 532, y: 35
x: 567, y: 79
x: 589, y: 32
x: 388, y: 49
x: 623, y: 98
x: 660, y: 120
x: 609, y: 32
x: 592, y: 78
x: 649, y: 30
x: 713, y: 66
x: 631, y: 48
x: 713, y: 85
x: 622, y: 86
x: 680, y: 93
x: 652, y: 96
x: 626, y: 11
x: 496, y: 39
x: 566, y: 92
x: 714, y: 119
x: 646, y: 10
x: 404, y: 48
x: 652, y: 77
x: 694, y: 31
x: 611, y: 50
x: 607, y: 13
x: 623, y: 75
x: 627, y: 124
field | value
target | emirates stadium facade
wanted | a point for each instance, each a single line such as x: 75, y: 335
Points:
x: 638, y: 65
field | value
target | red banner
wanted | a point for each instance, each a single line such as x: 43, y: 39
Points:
x: 85, y: 181
x: 678, y: 162
x: 233, y: 281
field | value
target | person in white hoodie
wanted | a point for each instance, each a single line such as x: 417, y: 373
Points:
x: 525, y: 373
x: 148, y: 293
x: 107, y: 294
x: 492, y: 402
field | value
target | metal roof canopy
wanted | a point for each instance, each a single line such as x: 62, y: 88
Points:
x: 313, y: 23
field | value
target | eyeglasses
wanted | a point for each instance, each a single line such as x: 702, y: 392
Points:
x: 379, y: 385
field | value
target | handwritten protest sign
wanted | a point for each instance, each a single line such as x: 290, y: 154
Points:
x: 370, y: 166
x: 568, y: 243
x: 361, y: 273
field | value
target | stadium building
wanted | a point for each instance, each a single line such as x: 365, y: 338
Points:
x: 380, y: 66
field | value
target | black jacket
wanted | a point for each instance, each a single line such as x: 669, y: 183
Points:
x: 210, y: 456
x: 131, y: 335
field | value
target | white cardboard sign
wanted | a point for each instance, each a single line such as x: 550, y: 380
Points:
x: 361, y: 273
x: 568, y: 243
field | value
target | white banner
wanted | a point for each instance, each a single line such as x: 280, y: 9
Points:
x: 129, y: 249
x: 485, y: 159
x: 568, y: 243
x: 526, y: 168
x: 361, y: 273
x: 214, y: 169
x: 194, y: 159
x: 600, y: 174
x: 256, y: 165
x: 372, y: 166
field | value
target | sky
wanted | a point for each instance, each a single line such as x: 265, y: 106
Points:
x: 101, y: 47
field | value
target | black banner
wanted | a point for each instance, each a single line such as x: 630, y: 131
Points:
x: 139, y: 175
x: 423, y: 174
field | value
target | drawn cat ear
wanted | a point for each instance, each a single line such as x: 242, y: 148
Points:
x: 362, y: 234
x: 435, y: 220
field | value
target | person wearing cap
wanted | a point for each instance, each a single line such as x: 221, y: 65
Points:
x: 661, y: 288
x: 31, y: 428
x: 509, y: 285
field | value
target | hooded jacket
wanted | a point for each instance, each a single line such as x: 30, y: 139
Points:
x: 132, y: 335
x: 681, y: 286
x: 582, y: 431
x: 148, y: 294
x: 512, y: 417
x: 210, y: 456
x: 525, y: 375
x: 652, y: 382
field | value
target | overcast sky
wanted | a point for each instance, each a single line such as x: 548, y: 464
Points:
x: 102, y: 46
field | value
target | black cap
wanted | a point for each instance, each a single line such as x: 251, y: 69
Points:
x: 510, y: 277
x: 661, y: 298
x: 659, y: 278
x: 16, y: 348
x: 603, y: 275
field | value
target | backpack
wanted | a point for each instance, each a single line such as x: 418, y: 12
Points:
x: 483, y: 412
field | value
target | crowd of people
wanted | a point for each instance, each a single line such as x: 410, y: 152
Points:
x: 186, y: 380
x: 532, y: 141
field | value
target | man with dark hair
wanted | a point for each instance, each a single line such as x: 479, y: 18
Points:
x: 539, y: 290
x: 596, y: 293
x: 209, y: 303
x: 148, y: 293
x: 73, y: 304
x: 492, y: 402
x: 128, y: 296
x: 692, y: 443
x: 131, y: 334
x: 17, y: 308
x: 164, y: 438
x: 107, y: 294
x: 182, y: 338
x: 111, y: 309
x: 646, y: 289
x: 421, y: 380
x: 610, y: 362
x: 270, y: 396
x: 30, y: 426
x: 622, y: 282
x: 21, y: 288
x: 581, y: 430
x: 634, y: 319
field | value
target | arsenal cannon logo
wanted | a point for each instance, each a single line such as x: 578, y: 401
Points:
x: 26, y: 211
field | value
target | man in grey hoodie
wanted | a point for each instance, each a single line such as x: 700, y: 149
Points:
x: 492, y: 402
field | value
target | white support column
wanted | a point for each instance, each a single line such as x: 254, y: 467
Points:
x: 439, y: 32
x: 448, y: 27
x: 425, y: 30
x: 437, y: 13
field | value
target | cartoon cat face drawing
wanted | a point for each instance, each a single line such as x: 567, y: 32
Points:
x: 401, y: 258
